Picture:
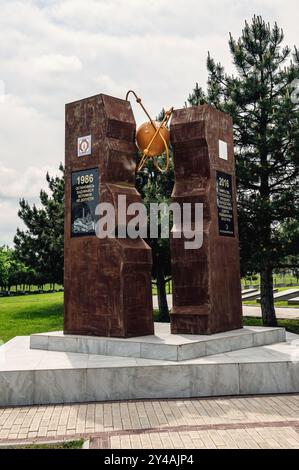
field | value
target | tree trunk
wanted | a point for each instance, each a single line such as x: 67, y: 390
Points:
x: 267, y: 299
x: 162, y: 297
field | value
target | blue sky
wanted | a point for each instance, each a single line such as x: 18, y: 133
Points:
x: 53, y: 52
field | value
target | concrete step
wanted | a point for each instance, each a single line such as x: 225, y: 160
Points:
x: 283, y: 295
x: 254, y: 295
x: 163, y: 345
x: 30, y: 376
x: 248, y: 291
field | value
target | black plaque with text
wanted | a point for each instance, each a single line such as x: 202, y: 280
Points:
x: 85, y: 198
x: 225, y: 204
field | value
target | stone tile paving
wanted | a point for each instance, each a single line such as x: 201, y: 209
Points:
x: 233, y: 422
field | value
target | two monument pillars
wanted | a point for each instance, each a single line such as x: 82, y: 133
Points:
x: 107, y: 282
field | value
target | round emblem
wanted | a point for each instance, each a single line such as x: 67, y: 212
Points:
x: 84, y: 145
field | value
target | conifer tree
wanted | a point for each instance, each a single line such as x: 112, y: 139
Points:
x: 40, y: 245
x: 263, y: 102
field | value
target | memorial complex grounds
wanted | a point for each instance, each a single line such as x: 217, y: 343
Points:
x: 36, y: 313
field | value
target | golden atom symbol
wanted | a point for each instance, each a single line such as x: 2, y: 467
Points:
x: 152, y: 138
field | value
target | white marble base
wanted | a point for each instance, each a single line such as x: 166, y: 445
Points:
x: 162, y: 345
x: 29, y: 376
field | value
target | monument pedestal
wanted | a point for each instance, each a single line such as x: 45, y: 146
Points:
x: 163, y: 345
x: 43, y: 376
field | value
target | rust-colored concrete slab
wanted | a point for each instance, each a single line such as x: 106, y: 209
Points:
x: 107, y: 282
x: 206, y: 281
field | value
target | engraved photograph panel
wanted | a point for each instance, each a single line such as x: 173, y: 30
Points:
x: 85, y: 198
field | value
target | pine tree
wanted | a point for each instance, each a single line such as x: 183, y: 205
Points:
x: 197, y: 97
x: 40, y: 246
x: 263, y: 102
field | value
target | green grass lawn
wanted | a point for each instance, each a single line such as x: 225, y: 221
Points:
x: 58, y: 445
x: 30, y: 314
x: 289, y: 325
x: 44, y: 312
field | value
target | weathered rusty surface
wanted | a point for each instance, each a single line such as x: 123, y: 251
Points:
x: 206, y: 281
x: 107, y: 282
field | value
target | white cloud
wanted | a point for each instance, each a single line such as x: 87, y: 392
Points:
x: 57, y: 51
x: 29, y: 184
x: 13, y: 186
x: 29, y: 137
x: 9, y: 221
x: 56, y: 63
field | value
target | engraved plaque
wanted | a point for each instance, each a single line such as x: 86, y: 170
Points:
x: 225, y: 204
x: 85, y: 198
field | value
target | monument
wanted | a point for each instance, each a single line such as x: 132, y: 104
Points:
x: 206, y: 281
x: 107, y: 282
x: 108, y: 297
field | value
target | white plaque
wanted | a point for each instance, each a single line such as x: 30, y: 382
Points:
x: 222, y: 149
x: 84, y: 145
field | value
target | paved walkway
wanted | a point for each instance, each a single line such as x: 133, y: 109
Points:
x: 281, y: 312
x: 250, y: 310
x: 242, y: 422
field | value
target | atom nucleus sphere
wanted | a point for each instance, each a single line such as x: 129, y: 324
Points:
x: 152, y: 138
x: 145, y: 134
